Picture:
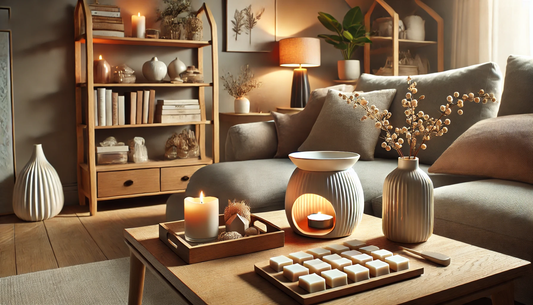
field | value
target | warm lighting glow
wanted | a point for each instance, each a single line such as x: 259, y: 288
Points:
x: 201, y: 197
x: 139, y: 14
x: 299, y: 52
x: 100, y: 58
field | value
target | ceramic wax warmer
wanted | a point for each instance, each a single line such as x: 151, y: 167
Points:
x: 325, y: 184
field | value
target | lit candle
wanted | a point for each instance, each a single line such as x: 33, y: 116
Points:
x: 138, y: 26
x: 201, y: 218
x: 102, y: 71
x: 320, y: 221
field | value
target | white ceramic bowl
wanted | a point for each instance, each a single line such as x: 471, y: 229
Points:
x: 324, y: 161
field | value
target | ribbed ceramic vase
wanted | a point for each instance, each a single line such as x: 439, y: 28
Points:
x: 408, y: 203
x: 38, y: 193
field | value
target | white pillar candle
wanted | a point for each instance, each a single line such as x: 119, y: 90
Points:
x: 320, y: 221
x: 201, y: 218
x: 138, y: 26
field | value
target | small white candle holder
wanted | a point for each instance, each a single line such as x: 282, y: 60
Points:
x: 324, y: 182
x: 201, y: 219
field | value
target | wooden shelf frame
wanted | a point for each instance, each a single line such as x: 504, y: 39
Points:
x: 84, y: 42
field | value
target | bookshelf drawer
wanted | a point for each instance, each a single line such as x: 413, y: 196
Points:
x: 177, y: 178
x: 128, y: 182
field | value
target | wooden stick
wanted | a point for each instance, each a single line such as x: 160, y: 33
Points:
x: 438, y: 258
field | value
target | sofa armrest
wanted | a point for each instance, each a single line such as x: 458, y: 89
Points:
x: 251, y: 141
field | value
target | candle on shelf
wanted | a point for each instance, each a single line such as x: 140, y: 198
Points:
x: 102, y: 71
x: 201, y: 218
x: 138, y: 26
x: 320, y: 221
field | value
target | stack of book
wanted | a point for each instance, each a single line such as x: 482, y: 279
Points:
x: 177, y: 111
x: 106, y: 20
x: 137, y: 107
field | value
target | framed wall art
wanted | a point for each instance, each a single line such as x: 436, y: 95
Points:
x: 250, y: 25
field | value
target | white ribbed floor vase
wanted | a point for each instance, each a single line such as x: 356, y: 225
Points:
x: 38, y: 193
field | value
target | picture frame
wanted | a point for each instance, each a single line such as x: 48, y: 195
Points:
x: 250, y: 25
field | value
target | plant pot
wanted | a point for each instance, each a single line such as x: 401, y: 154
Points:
x: 408, y: 212
x: 242, y: 105
x: 154, y: 70
x: 348, y: 69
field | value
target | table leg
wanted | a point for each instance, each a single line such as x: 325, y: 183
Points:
x: 504, y: 295
x: 137, y: 272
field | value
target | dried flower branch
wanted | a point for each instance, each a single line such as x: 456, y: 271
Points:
x: 238, y: 23
x: 251, y: 20
x: 240, y: 86
x: 173, y: 9
x: 420, y: 126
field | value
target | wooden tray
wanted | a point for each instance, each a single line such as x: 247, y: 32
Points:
x: 173, y: 234
x: 304, y: 297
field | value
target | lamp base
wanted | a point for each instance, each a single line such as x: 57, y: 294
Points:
x: 300, y: 88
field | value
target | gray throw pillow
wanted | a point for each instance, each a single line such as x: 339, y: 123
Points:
x: 517, y: 96
x: 339, y: 126
x: 436, y: 87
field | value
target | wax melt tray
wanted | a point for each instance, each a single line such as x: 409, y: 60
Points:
x: 304, y: 297
x: 173, y: 235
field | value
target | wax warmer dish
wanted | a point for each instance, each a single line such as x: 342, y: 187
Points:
x: 324, y: 182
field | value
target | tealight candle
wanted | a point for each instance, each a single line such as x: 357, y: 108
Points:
x: 201, y: 218
x: 138, y: 26
x: 102, y: 71
x: 320, y: 221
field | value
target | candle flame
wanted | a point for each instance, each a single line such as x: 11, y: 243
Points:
x: 319, y: 213
x: 100, y: 57
x: 139, y: 14
x: 201, y: 197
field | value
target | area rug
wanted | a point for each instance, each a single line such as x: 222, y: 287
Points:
x: 104, y: 282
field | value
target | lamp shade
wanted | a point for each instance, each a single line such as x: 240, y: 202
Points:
x: 299, y: 51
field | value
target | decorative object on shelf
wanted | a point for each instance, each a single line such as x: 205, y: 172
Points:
x: 175, y: 68
x: 152, y: 33
x: 111, y: 152
x: 194, y: 28
x: 169, y: 15
x: 154, y: 70
x: 238, y: 87
x: 192, y: 75
x: 415, y: 28
x: 351, y: 33
x: 383, y: 27
x: 300, y: 52
x: 38, y: 192
x: 138, y: 152
x: 325, y: 182
x: 201, y: 218
x: 102, y: 71
x: 123, y: 74
x: 183, y: 145
x: 138, y: 26
x: 408, y: 191
x: 250, y: 25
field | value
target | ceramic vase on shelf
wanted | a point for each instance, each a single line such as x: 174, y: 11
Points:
x: 348, y: 69
x: 408, y: 213
x: 38, y: 192
x: 242, y: 105
x: 154, y: 70
x: 415, y: 28
x: 175, y: 68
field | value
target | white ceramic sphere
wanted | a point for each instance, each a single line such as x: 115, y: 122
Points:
x: 175, y: 68
x: 154, y: 70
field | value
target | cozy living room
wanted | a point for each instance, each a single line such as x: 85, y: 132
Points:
x: 266, y: 152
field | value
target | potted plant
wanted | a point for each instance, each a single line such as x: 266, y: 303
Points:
x: 238, y: 87
x: 169, y: 15
x: 351, y: 34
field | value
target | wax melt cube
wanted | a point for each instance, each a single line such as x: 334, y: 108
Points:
x: 397, y: 263
x: 335, y: 278
x: 312, y: 282
x: 317, y: 266
x: 337, y: 248
x: 340, y: 263
x: 331, y: 257
x: 380, y: 254
x: 361, y: 259
x: 300, y: 257
x: 357, y: 272
x: 292, y: 272
x: 319, y: 252
x: 350, y: 254
x: 354, y: 244
x: 368, y: 249
x: 278, y: 262
x: 377, y: 268
x: 312, y: 262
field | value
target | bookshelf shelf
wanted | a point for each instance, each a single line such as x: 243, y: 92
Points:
x: 156, y: 176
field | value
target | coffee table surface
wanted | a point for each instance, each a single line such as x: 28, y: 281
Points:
x: 474, y: 272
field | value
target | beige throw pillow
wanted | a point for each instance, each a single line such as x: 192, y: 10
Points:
x: 498, y: 148
x: 339, y: 126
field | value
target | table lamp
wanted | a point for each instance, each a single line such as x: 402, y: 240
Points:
x: 300, y: 52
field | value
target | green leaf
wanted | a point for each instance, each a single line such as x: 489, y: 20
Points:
x: 341, y: 46
x: 328, y: 38
x: 330, y: 22
x: 347, y: 35
x: 353, y: 16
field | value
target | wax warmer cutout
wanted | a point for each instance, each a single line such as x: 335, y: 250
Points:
x: 308, y: 204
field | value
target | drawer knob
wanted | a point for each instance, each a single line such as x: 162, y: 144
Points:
x: 185, y: 178
x: 128, y: 183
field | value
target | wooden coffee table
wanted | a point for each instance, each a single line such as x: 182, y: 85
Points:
x: 473, y: 273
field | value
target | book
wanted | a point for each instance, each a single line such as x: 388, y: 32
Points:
x: 114, y: 108
x: 108, y: 26
x: 105, y: 13
x: 98, y: 19
x: 178, y: 102
x: 133, y: 108
x: 108, y: 33
x: 184, y: 106
x: 108, y: 107
x: 139, y: 119
x: 178, y: 118
x: 151, y: 107
x: 101, y: 106
x: 121, y: 110
x: 104, y: 7
x: 116, y: 148
x: 95, y: 107
x: 177, y: 111
x: 146, y: 106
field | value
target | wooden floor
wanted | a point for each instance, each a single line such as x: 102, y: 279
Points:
x: 74, y: 237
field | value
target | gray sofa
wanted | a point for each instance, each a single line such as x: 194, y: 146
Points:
x: 490, y: 206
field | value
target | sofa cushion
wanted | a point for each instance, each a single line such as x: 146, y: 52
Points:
x: 436, y: 87
x: 517, y: 96
x: 339, y: 126
x: 498, y: 148
x: 293, y: 129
